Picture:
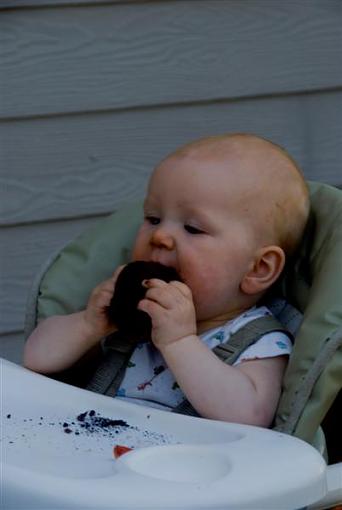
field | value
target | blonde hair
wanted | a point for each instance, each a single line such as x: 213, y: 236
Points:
x: 291, y: 204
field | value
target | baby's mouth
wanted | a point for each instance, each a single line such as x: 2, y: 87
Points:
x: 171, y: 266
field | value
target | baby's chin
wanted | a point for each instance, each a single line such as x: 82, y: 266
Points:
x: 210, y: 309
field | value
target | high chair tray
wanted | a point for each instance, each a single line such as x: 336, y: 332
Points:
x: 57, y: 452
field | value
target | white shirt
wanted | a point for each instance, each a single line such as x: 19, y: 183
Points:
x: 148, y: 381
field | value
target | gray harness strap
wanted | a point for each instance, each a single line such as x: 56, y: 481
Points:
x: 239, y: 341
x: 108, y: 376
x: 245, y: 336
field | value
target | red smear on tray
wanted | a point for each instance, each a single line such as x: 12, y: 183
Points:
x: 119, y: 450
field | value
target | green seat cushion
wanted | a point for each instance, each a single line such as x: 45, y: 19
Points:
x: 86, y: 261
x: 314, y: 285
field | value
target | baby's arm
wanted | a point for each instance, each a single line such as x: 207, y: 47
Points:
x: 247, y: 393
x: 59, y: 341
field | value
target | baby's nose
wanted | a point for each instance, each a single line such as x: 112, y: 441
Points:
x: 163, y: 239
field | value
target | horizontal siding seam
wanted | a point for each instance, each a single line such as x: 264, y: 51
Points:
x: 72, y: 4
x: 176, y: 104
x: 62, y: 219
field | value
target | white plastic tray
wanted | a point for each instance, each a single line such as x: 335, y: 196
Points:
x: 56, y: 456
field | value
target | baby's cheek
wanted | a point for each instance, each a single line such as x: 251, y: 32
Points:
x: 203, y: 291
x: 140, y: 244
x: 214, y: 293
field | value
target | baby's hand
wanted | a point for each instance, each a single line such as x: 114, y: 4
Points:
x: 171, y: 309
x: 95, y: 315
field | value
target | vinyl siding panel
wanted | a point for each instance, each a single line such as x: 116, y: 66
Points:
x: 94, y: 93
x: 79, y: 165
x: 100, y: 57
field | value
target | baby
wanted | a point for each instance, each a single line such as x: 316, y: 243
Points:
x: 224, y: 212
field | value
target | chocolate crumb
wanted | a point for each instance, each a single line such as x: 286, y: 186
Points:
x: 8, y: 416
x: 68, y: 431
x: 81, y: 417
x: 91, y: 422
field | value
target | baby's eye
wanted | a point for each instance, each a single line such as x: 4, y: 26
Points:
x: 193, y: 230
x: 153, y: 220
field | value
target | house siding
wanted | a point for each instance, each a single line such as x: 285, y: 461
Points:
x: 93, y: 94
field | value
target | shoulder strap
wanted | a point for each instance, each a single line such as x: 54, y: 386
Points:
x: 247, y: 335
x: 239, y: 341
x: 109, y: 374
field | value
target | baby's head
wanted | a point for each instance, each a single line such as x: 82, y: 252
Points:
x: 224, y: 211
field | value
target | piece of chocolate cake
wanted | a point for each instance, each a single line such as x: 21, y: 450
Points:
x: 129, y: 290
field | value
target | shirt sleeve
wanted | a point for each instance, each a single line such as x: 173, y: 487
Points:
x: 268, y: 346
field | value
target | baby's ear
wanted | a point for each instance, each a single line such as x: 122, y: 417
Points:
x: 264, y: 271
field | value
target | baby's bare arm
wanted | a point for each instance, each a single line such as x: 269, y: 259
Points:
x: 247, y: 393
x: 59, y: 341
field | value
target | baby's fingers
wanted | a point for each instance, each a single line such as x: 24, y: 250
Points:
x: 109, y: 285
x: 153, y: 283
x: 116, y: 273
x: 165, y: 294
x: 151, y: 307
x: 180, y: 286
x: 183, y: 288
x: 175, y: 289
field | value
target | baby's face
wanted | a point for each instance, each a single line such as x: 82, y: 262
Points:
x: 196, y: 221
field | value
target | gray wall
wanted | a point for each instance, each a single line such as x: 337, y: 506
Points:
x: 94, y: 93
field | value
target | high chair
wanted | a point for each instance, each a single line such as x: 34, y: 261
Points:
x: 210, y: 463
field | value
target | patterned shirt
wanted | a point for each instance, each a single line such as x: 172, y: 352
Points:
x: 148, y: 381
